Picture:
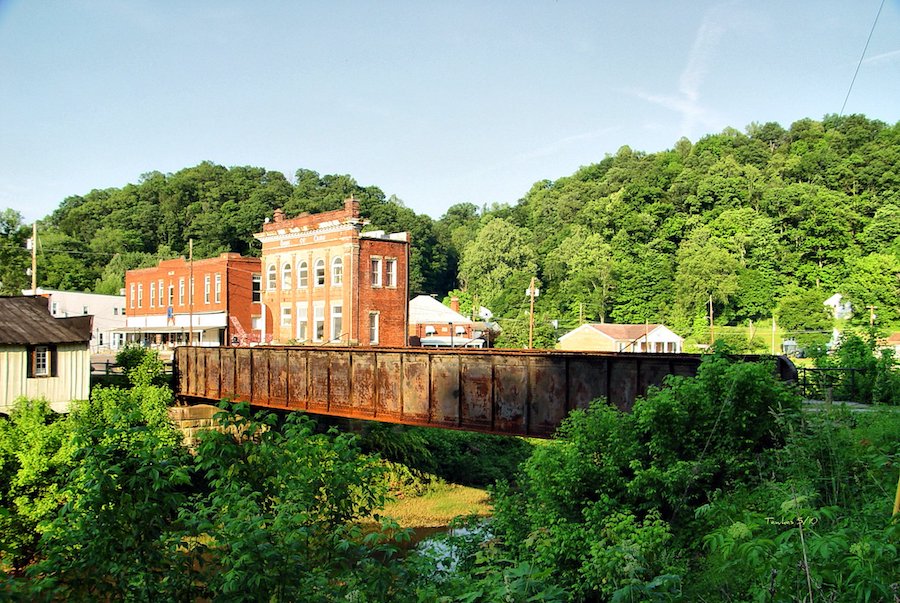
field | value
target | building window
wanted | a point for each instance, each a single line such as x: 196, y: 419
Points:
x: 140, y: 295
x: 302, y: 322
x: 302, y: 275
x: 41, y: 361
x: 337, y: 271
x: 373, y: 328
x: 206, y: 284
x: 286, y: 276
x: 319, y: 321
x: 430, y: 330
x: 132, y: 296
x: 320, y: 273
x: 84, y: 310
x: 162, y: 292
x: 376, y: 272
x: 181, y: 292
x: 390, y: 269
x: 256, y: 287
x: 171, y: 295
x: 256, y: 323
x: 337, y: 323
x: 272, y: 277
x: 285, y: 316
x: 152, y: 295
x: 218, y: 288
x: 53, y: 308
x: 115, y: 311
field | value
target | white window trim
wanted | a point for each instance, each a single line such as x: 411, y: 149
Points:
x: 302, y: 274
x: 375, y: 320
x: 337, y: 272
x: 375, y: 273
x: 390, y: 277
x: 316, y: 282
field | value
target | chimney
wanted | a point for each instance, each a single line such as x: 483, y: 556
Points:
x: 454, y: 304
x: 278, y: 216
x: 351, y: 206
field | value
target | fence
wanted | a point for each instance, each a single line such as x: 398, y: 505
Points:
x: 846, y: 384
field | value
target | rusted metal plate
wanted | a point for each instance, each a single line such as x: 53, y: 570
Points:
x: 511, y: 394
x: 623, y: 383
x: 339, y: 383
x: 278, y: 377
x: 476, y: 389
x: 318, y: 381
x: 587, y: 380
x: 226, y: 371
x: 547, y: 382
x: 259, y: 375
x: 297, y: 379
x: 363, y: 380
x: 213, y: 379
x: 195, y: 376
x: 653, y: 372
x: 243, y: 375
x: 389, y: 385
x: 415, y: 387
x: 445, y: 390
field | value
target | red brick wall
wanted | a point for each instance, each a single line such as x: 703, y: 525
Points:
x: 236, y: 289
x: 392, y: 303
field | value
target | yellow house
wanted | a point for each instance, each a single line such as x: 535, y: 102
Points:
x: 647, y: 338
x: 42, y: 356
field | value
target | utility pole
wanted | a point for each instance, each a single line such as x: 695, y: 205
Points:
x: 871, y: 315
x: 532, y: 291
x: 191, y: 292
x: 34, y: 258
x: 773, y: 334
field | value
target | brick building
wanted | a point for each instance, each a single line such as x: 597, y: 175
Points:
x: 327, y: 282
x: 222, y: 307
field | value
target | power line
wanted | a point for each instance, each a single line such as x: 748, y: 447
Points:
x: 859, y: 64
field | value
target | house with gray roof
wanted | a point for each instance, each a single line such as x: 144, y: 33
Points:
x: 42, y: 356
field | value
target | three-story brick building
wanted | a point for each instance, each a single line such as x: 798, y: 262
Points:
x: 325, y: 281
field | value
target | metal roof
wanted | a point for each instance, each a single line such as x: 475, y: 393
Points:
x: 27, y: 321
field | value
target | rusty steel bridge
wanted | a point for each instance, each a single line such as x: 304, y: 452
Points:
x: 512, y: 392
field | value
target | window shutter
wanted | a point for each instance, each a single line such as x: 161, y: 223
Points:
x: 52, y: 359
x: 30, y: 361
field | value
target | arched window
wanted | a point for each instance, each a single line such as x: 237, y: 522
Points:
x: 337, y: 271
x: 286, y: 276
x: 272, y: 278
x: 320, y: 273
x: 302, y: 275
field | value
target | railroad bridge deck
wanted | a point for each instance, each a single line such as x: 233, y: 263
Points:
x: 512, y: 392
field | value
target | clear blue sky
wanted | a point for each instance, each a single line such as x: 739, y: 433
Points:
x: 436, y: 103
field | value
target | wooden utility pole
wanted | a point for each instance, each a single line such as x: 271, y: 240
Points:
x: 191, y: 292
x: 34, y: 258
x: 773, y: 334
x: 871, y: 315
x: 531, y: 316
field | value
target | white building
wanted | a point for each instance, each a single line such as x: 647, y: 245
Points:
x: 609, y: 337
x: 108, y: 312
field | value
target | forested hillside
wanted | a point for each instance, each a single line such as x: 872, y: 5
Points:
x: 768, y: 222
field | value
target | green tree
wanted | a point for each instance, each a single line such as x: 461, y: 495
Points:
x: 13, y: 256
x: 874, y: 280
x: 803, y: 316
x: 496, y: 264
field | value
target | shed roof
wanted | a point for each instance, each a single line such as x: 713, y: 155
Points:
x: 27, y: 321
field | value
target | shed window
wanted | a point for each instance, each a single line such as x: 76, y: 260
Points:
x: 42, y: 361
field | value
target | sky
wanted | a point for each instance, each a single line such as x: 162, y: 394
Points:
x: 437, y: 103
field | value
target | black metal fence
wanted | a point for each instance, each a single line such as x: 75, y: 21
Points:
x: 843, y: 384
